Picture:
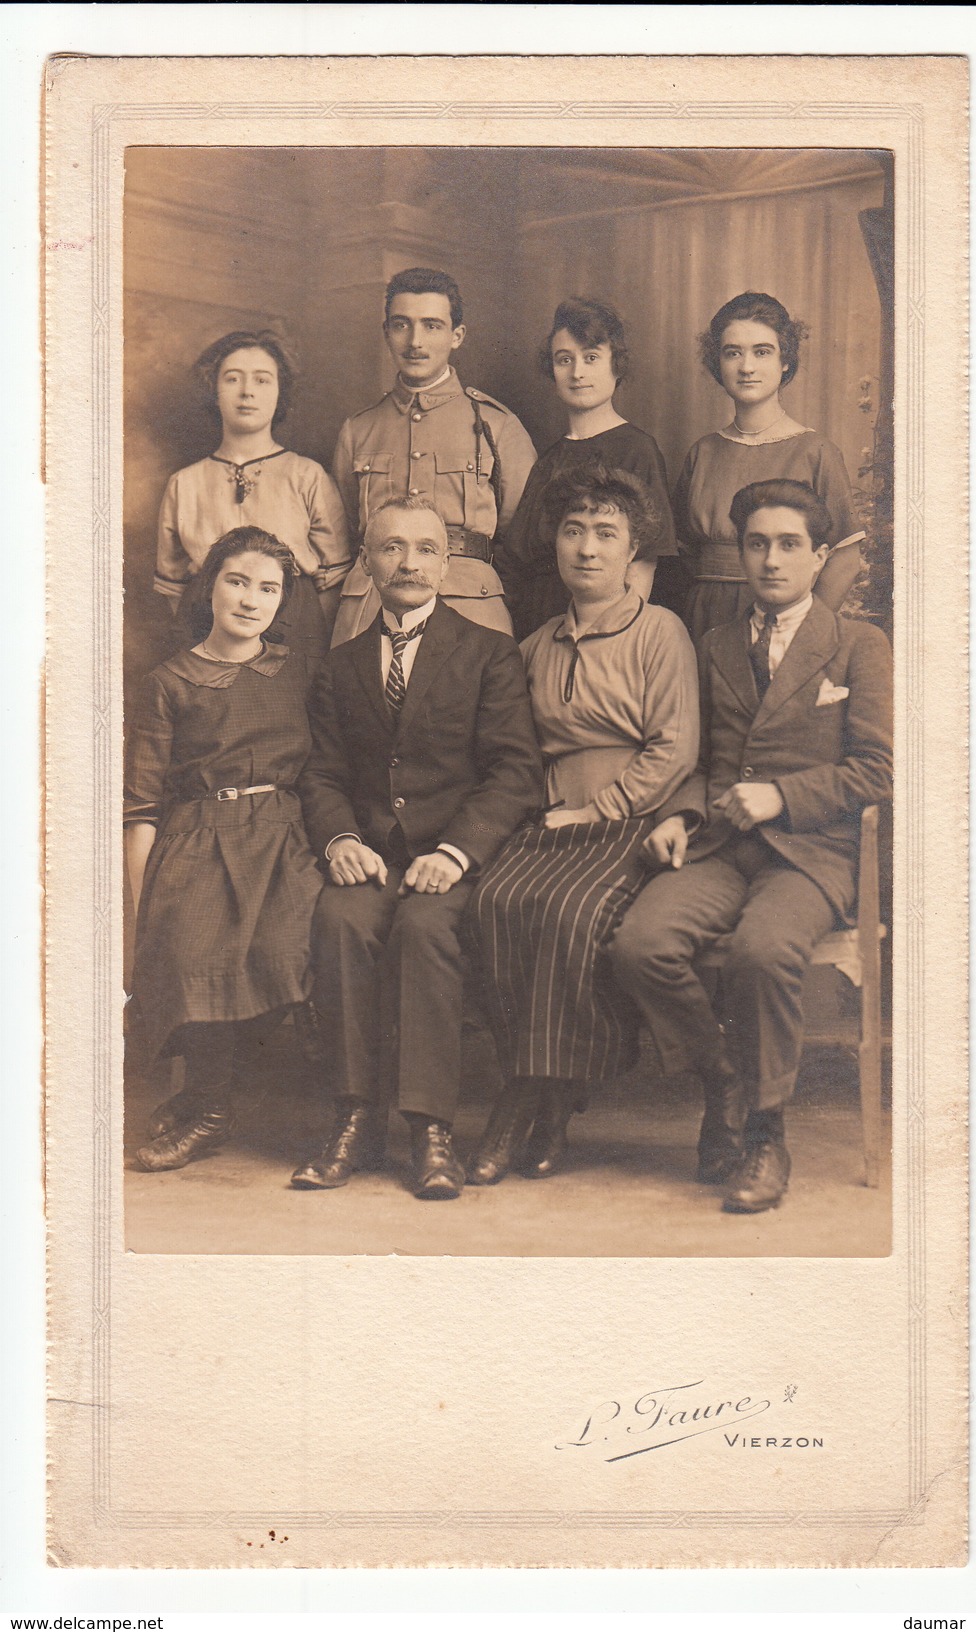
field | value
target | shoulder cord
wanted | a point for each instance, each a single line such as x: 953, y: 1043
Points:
x: 483, y: 429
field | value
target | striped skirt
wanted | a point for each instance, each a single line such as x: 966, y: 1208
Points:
x: 543, y: 915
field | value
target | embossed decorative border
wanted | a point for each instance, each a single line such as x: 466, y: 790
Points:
x: 910, y: 195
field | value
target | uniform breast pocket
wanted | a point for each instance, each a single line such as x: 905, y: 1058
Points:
x: 466, y: 479
x: 374, y: 473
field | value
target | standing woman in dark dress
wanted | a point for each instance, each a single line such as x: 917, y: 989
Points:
x: 222, y: 877
x: 250, y: 480
x: 751, y: 348
x: 585, y: 355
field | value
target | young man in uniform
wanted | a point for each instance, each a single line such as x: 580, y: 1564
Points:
x: 435, y: 439
x: 761, y: 843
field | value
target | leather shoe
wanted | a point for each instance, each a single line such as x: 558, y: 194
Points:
x: 761, y: 1179
x: 200, y: 1137
x: 356, y: 1142
x: 172, y: 1114
x: 720, y: 1147
x: 437, y: 1173
x: 503, y: 1138
x: 546, y: 1149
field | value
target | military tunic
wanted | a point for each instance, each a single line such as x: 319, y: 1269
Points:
x: 427, y: 443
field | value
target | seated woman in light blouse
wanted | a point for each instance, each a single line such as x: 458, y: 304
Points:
x: 614, y: 694
x: 251, y: 480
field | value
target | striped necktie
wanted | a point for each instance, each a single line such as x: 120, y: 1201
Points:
x: 759, y: 654
x: 396, y: 686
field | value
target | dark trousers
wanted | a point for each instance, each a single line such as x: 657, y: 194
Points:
x: 775, y: 916
x: 389, y: 989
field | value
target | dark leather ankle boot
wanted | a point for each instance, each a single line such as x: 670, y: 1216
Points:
x: 501, y: 1143
x: 437, y: 1173
x: 546, y: 1149
x: 201, y: 1136
x: 173, y: 1113
x: 356, y: 1142
x: 720, y: 1144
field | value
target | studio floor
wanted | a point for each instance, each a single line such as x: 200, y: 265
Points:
x: 628, y: 1189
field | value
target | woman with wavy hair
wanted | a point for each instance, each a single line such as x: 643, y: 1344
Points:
x: 586, y: 357
x: 614, y: 695
x: 751, y: 348
x: 246, y: 380
x: 222, y: 877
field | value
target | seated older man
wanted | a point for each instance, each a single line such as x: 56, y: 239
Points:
x: 796, y: 740
x: 424, y: 761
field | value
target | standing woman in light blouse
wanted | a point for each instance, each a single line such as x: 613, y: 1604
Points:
x: 251, y: 480
x: 614, y: 694
x: 751, y: 348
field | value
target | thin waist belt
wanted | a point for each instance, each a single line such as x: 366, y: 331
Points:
x: 239, y: 793
x: 465, y: 541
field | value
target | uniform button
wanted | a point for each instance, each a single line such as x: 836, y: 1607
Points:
x: 415, y: 454
x: 470, y: 465
x: 747, y: 771
x: 366, y: 468
x: 416, y: 416
x: 483, y: 590
x: 398, y: 804
x: 394, y: 762
x: 414, y: 491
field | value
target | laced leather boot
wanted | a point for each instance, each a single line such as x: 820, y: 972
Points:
x: 356, y: 1142
x: 760, y: 1181
x: 502, y: 1141
x: 437, y: 1173
x: 720, y: 1145
x: 173, y: 1113
x: 203, y: 1134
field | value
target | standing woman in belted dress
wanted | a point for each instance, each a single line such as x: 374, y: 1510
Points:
x: 751, y: 348
x: 222, y: 877
x: 251, y: 480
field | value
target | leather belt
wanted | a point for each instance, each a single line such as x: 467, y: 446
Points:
x: 238, y: 793
x: 464, y: 541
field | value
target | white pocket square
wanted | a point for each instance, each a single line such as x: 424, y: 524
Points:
x: 831, y: 694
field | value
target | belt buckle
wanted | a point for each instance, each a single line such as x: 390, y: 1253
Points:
x: 226, y: 793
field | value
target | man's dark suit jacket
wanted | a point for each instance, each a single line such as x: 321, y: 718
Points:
x: 461, y: 766
x: 822, y: 733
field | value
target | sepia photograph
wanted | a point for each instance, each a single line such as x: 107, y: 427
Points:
x: 316, y: 337
x: 512, y: 758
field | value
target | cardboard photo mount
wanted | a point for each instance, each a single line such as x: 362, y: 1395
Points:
x: 314, y: 1411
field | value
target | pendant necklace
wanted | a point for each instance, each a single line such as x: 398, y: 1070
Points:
x: 237, y: 474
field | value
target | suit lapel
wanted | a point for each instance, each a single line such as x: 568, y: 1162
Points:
x: 364, y: 655
x: 730, y: 655
x: 439, y: 639
x: 811, y: 648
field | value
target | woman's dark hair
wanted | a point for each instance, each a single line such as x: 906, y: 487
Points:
x: 753, y: 307
x: 591, y: 323
x: 206, y: 369
x: 593, y: 485
x: 782, y: 494
x: 237, y: 542
x: 426, y: 280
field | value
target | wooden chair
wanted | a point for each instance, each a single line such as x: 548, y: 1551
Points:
x: 856, y: 953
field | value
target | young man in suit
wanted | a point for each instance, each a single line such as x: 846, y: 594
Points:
x: 432, y: 437
x: 424, y: 761
x: 761, y: 843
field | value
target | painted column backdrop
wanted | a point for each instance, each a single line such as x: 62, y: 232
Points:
x: 304, y: 240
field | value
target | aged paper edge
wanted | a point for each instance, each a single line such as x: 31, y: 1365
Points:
x: 530, y: 1537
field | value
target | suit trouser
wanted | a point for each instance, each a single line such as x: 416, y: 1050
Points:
x: 389, y: 988
x: 775, y: 916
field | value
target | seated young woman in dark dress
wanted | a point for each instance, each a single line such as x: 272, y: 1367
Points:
x: 222, y: 877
